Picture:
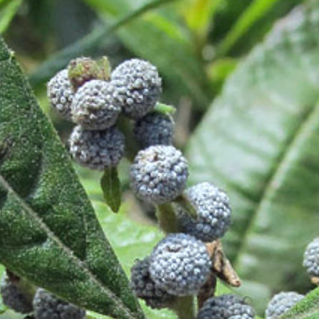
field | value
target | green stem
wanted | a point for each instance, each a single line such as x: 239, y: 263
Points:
x: 167, y: 219
x: 184, y: 307
x: 184, y: 202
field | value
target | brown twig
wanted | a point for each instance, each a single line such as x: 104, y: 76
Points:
x: 221, y: 265
x: 315, y: 280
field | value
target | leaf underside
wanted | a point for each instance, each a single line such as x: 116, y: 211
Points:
x: 259, y: 142
x: 49, y: 232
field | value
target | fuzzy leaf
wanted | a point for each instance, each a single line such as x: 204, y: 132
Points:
x: 308, y: 308
x: 2, y: 306
x: 258, y: 142
x: 111, y: 187
x: 49, y: 232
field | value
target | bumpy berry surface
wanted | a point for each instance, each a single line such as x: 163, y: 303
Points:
x: 159, y: 174
x: 97, y: 149
x: 154, y: 129
x: 60, y: 94
x: 213, y: 213
x: 180, y: 264
x: 226, y: 307
x: 138, y: 87
x: 46, y: 306
x: 13, y: 298
x: 94, y: 107
x: 311, y: 258
x: 281, y: 304
x: 145, y: 288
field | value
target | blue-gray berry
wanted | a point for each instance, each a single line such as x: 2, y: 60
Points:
x: 46, y: 306
x: 97, y: 149
x: 180, y: 264
x: 138, y: 87
x: 311, y: 258
x: 154, y: 129
x: 159, y: 174
x: 94, y: 107
x: 60, y: 94
x: 226, y: 307
x: 13, y: 297
x: 281, y: 304
x: 145, y: 288
x: 213, y: 212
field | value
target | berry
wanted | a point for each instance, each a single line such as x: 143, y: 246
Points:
x: 311, y: 258
x: 213, y: 213
x: 13, y: 297
x: 46, y: 306
x: 94, y: 107
x: 97, y: 149
x: 226, y: 307
x: 138, y: 87
x: 154, y: 129
x: 159, y: 174
x: 145, y: 288
x: 180, y: 264
x: 60, y: 94
x: 281, y: 304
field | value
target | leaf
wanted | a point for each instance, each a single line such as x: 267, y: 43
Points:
x: 2, y: 306
x: 308, y: 308
x: 111, y: 187
x: 256, y: 10
x: 258, y: 143
x: 8, y: 9
x: 199, y: 14
x: 247, y: 22
x: 49, y: 232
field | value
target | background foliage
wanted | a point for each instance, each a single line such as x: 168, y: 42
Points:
x: 244, y: 77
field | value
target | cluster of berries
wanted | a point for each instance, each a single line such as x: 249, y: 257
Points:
x: 281, y: 303
x: 90, y: 95
x: 180, y: 264
x: 41, y: 304
x: 93, y: 97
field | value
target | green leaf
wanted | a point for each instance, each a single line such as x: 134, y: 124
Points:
x: 111, y: 187
x: 199, y: 15
x: 8, y: 9
x: 255, y: 18
x: 49, y: 232
x: 308, y: 308
x: 256, y: 10
x: 258, y: 142
x: 2, y: 306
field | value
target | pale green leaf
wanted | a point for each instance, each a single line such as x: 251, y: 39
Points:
x: 8, y: 9
x: 258, y: 142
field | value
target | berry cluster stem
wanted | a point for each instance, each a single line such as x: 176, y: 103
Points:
x: 166, y: 218
x: 184, y: 307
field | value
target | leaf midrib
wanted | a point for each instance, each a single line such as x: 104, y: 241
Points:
x: 279, y: 166
x: 77, y: 261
